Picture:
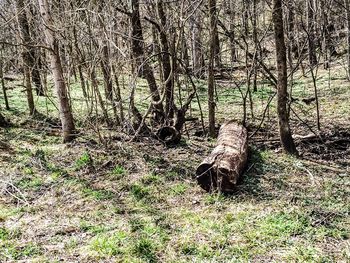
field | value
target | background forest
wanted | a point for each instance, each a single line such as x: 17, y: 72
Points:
x: 108, y: 107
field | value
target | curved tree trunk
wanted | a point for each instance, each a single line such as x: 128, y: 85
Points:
x: 139, y: 57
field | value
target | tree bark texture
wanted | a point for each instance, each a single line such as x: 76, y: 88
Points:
x: 139, y: 57
x: 26, y: 54
x: 311, y: 32
x: 196, y: 39
x: 166, y: 62
x: 66, y: 116
x: 281, y: 59
x: 212, y: 49
x: 223, y: 167
x: 347, y: 7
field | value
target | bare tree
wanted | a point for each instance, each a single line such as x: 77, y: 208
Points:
x: 26, y: 54
x: 166, y: 62
x: 281, y: 60
x: 68, y: 128
x: 137, y: 46
x: 347, y: 7
x: 212, y: 50
x: 311, y: 32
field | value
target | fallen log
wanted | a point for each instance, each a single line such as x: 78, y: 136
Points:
x: 222, y: 168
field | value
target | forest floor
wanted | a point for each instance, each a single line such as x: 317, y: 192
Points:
x: 121, y: 201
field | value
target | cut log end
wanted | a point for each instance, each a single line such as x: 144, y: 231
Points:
x: 212, y: 178
x: 223, y: 167
x: 169, y: 135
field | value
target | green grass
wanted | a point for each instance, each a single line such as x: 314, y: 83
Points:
x: 83, y: 161
x: 118, y: 171
x: 139, y: 192
x: 30, y: 183
x: 98, y: 195
x: 110, y: 244
x: 12, y: 252
x: 139, y: 202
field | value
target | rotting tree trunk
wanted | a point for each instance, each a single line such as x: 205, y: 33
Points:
x: 223, y: 167
x: 281, y: 59
x: 66, y: 116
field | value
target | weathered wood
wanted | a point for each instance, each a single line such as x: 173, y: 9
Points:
x: 222, y: 168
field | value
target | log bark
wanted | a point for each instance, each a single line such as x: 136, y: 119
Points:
x: 222, y: 168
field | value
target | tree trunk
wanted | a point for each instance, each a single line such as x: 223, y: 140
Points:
x: 347, y: 7
x: 105, y: 58
x: 66, y: 116
x: 169, y: 85
x: 139, y: 57
x: 292, y: 46
x: 94, y: 84
x: 4, y: 91
x: 26, y: 53
x: 197, y: 54
x: 256, y: 45
x: 36, y: 77
x: 36, y: 59
x: 233, y: 53
x: 217, y: 50
x: 107, y: 73
x: 211, y: 88
x: 311, y: 32
x: 281, y: 59
x: 222, y: 168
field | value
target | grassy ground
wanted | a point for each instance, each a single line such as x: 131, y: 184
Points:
x: 139, y: 202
